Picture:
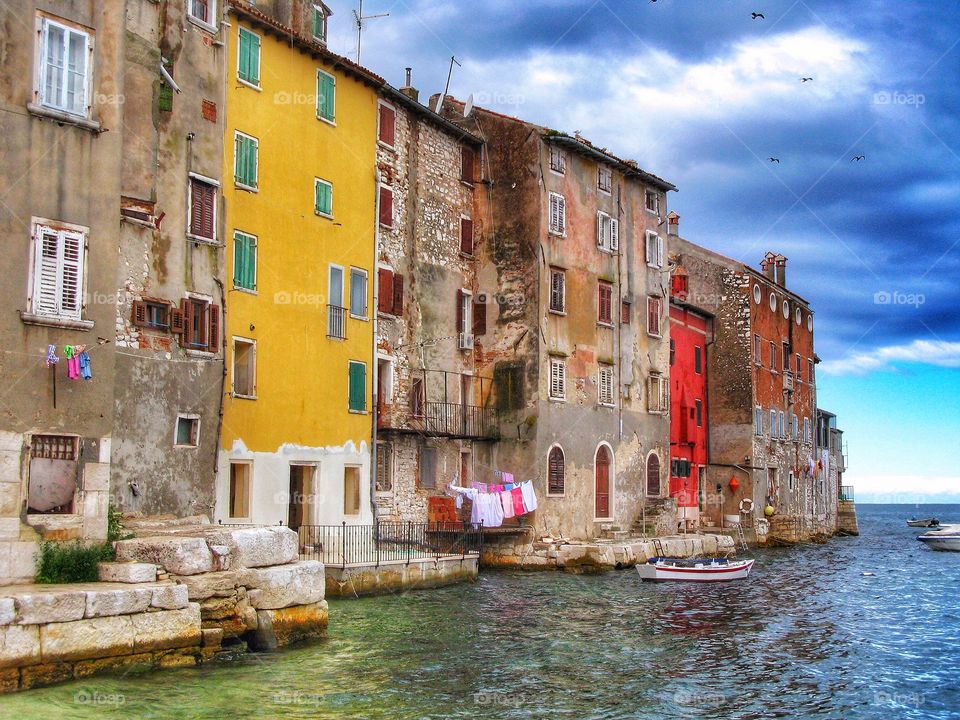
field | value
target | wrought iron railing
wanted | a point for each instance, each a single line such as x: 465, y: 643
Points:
x: 846, y: 492
x: 455, y: 419
x: 336, y: 322
x: 388, y: 542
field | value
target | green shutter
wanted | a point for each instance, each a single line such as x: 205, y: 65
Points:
x: 244, y: 261
x: 358, y: 386
x: 318, y: 24
x: 323, y: 197
x: 249, y: 61
x: 245, y: 150
x: 326, y: 96
x: 252, y: 163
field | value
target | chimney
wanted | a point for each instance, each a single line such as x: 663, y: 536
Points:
x: 673, y: 224
x: 408, y: 89
x: 767, y: 266
x: 780, y: 263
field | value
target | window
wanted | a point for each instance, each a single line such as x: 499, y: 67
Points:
x: 351, y: 490
x: 200, y: 324
x: 555, y: 471
x: 464, y: 311
x: 699, y: 406
x: 65, y: 57
x: 783, y: 424
x: 384, y: 483
x: 428, y: 467
x: 558, y: 379
x: 757, y: 349
x: 790, y: 481
x: 390, y: 295
x: 773, y: 356
x: 153, y: 314
x: 658, y: 400
x: 773, y: 423
x: 245, y: 150
x: 625, y: 312
x: 466, y: 236
x: 358, y: 293
x: 239, y: 490
x: 806, y: 429
x: 187, y: 431
x: 654, y: 310
x: 794, y: 428
x: 417, y: 397
x: 604, y: 303
x: 654, y: 250
x: 756, y: 294
x: 248, y: 57
x: 653, y: 475
x: 468, y: 159
x: 319, y: 18
x: 244, y: 368
x: 244, y: 261
x: 673, y: 351
x: 558, y: 214
x: 698, y: 360
x: 357, y: 386
x: 786, y: 355
x: 58, y: 258
x: 323, y: 198
x: 608, y: 233
x: 326, y: 96
x: 202, y: 10
x: 604, y: 179
x: 558, y: 290
x: 387, y: 125
x: 810, y: 371
x: 798, y: 316
x: 386, y: 206
x: 799, y: 366
x: 773, y: 301
x: 758, y: 420
x: 508, y: 383
x: 203, y: 210
x: 652, y: 202
x: 480, y: 315
x: 810, y: 323
x: 786, y: 310
x: 558, y: 161
x: 605, y: 385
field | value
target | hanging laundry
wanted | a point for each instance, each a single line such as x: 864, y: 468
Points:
x: 52, y: 358
x: 506, y: 499
x: 529, y: 496
x: 496, y: 510
x: 517, y: 496
x: 507, y: 477
x: 85, y: 372
x: 73, y: 367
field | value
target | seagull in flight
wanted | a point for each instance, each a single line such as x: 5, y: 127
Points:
x: 858, y: 158
x: 773, y: 159
x: 805, y: 79
x: 757, y: 16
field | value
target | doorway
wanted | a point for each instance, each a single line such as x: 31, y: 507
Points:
x: 299, y: 508
x: 602, y: 483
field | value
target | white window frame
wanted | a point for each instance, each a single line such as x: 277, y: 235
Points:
x: 343, y: 285
x: 316, y: 211
x: 557, y: 380
x: 656, y: 202
x: 366, y: 291
x: 773, y: 301
x: 256, y: 86
x: 608, y: 233
x: 605, y: 171
x: 758, y: 421
x: 757, y: 295
x: 466, y: 311
x: 62, y: 231
x: 234, y: 341
x: 43, y: 25
x: 216, y: 206
x: 329, y: 121
x: 773, y: 423
x: 560, y: 227
x: 176, y: 427
x: 256, y: 248
x: 557, y: 152
x: 205, y: 24
x: 659, y: 328
x: 236, y: 158
x: 563, y: 291
x: 605, y: 381
x: 658, y: 389
x: 653, y: 245
x: 389, y: 188
x: 317, y: 7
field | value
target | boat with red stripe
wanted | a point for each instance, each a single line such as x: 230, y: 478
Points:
x: 709, y: 570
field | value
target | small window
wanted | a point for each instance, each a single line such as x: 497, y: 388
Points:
x: 555, y: 471
x: 387, y: 125
x: 756, y: 294
x: 358, y: 293
x: 326, y: 96
x: 806, y: 429
x: 58, y: 274
x: 604, y: 179
x: 248, y: 57
x: 795, y: 428
x: 351, y: 490
x: 245, y: 158
x: 319, y: 23
x: 65, y: 59
x: 558, y: 290
x: 654, y: 311
x: 384, y: 482
x: 673, y: 351
x: 655, y: 250
x: 798, y: 317
x: 773, y: 301
x: 386, y: 206
x: 428, y: 467
x: 758, y: 420
x: 240, y: 489
x: 202, y: 10
x: 244, y: 368
x: 244, y: 261
x: 605, y: 303
x: 652, y: 201
x: 625, y: 311
x: 323, y: 198
x: 152, y: 314
x: 605, y: 385
x: 699, y: 406
x: 799, y: 365
x: 390, y: 296
x: 773, y: 424
x: 608, y: 233
x: 187, y: 431
x: 468, y: 160
x: 810, y: 323
x: 810, y: 371
x: 558, y: 214
x: 698, y: 360
x: 658, y: 398
x: 357, y: 386
x: 558, y: 160
x: 783, y: 424
x: 773, y: 356
x: 558, y: 379
x: 757, y: 349
x: 203, y: 210
x: 786, y: 309
x: 200, y: 324
x: 466, y: 236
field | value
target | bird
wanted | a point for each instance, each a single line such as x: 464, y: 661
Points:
x: 805, y: 79
x: 858, y: 158
x: 773, y: 159
x: 757, y: 16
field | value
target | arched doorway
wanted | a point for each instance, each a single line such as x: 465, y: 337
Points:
x: 602, y: 482
x: 653, y: 475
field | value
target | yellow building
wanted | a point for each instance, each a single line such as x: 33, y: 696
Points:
x: 299, y: 202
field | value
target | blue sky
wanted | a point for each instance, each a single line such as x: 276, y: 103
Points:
x: 701, y: 94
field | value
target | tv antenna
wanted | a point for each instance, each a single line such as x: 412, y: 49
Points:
x: 446, y: 89
x: 359, y: 19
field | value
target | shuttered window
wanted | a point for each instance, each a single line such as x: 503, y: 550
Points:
x: 480, y: 315
x: 203, y: 209
x: 326, y: 96
x: 245, y: 151
x: 65, y: 73
x: 654, y: 311
x: 386, y: 206
x: 608, y: 233
x: 658, y: 399
x: 558, y: 161
x: 466, y: 236
x: 198, y: 323
x: 558, y: 379
x: 248, y: 57
x: 558, y: 290
x: 655, y: 250
x: 319, y: 24
x: 467, y: 164
x: 384, y: 481
x: 322, y: 197
x: 58, y: 273
x: 555, y: 471
x: 698, y: 359
x: 605, y: 385
x: 604, y: 178
x: 757, y: 421
x: 558, y: 214
x: 357, y: 390
x: 390, y: 292
x: 387, y: 128
x: 358, y: 292
x: 625, y: 312
x: 244, y: 261
x: 605, y: 303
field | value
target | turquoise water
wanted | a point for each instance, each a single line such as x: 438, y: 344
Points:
x: 807, y: 636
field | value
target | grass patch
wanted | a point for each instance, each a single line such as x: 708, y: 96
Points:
x: 76, y: 562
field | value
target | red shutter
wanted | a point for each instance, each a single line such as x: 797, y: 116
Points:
x: 386, y: 206
x: 388, y: 121
x: 186, y: 310
x: 202, y: 198
x: 480, y: 316
x: 460, y: 297
x: 139, y: 313
x: 466, y: 164
x: 385, y: 290
x: 213, y: 341
x: 466, y: 236
x: 177, y: 321
x: 398, y: 295
x: 605, y: 301
x: 625, y: 312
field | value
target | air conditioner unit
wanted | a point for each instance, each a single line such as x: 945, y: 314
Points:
x: 466, y: 341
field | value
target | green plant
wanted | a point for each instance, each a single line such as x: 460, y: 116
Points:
x: 60, y: 562
x: 115, y: 529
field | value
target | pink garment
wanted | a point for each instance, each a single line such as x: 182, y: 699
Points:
x: 73, y: 367
x: 517, y: 495
x: 482, y: 487
x: 507, y: 477
x: 506, y: 499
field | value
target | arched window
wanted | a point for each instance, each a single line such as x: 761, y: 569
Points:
x: 602, y: 483
x: 555, y: 471
x: 653, y: 475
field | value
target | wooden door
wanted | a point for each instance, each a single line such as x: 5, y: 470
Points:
x: 602, y: 491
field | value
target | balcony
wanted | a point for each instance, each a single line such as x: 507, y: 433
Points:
x: 336, y: 322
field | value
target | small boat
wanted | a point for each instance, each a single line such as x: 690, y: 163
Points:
x: 946, y: 537
x: 709, y: 570
x: 923, y: 522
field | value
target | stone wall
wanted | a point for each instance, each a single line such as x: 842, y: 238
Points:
x: 398, y: 577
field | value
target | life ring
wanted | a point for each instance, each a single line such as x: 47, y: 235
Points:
x: 746, y: 506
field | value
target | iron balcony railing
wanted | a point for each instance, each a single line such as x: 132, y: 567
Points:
x: 336, y: 322
x: 846, y: 492
x: 388, y: 542
x: 454, y: 419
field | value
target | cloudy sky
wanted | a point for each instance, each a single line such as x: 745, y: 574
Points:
x: 702, y: 94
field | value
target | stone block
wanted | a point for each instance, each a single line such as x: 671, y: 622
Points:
x: 177, y: 659
x: 167, y: 629
x: 87, y: 639
x: 8, y: 611
x: 101, y: 603
x: 9, y: 680
x: 96, y: 477
x: 279, y: 586
x: 214, y: 584
x: 10, y: 528
x: 45, y: 674
x: 262, y: 547
x: 285, y: 626
x: 212, y: 637
x: 85, y: 668
x: 39, y: 608
x: 10, y: 499
x: 19, y: 645
x: 127, y: 572
x: 170, y: 597
x: 176, y: 555
x: 17, y: 562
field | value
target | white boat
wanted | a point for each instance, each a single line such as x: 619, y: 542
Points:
x: 711, y: 570
x: 947, y: 537
x: 924, y: 522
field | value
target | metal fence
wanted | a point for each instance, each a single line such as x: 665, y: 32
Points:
x: 336, y: 322
x: 846, y: 492
x: 388, y: 542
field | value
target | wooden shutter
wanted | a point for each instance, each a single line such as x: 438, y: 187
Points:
x: 388, y: 123
x: 562, y: 214
x: 558, y: 379
x: 600, y: 224
x: 139, y: 313
x: 555, y: 471
x: 213, y: 339
x: 398, y: 295
x: 480, y: 316
x: 466, y: 236
x: 326, y: 96
x: 202, y: 198
x: 625, y: 312
x: 459, y: 311
x: 614, y: 234
x: 186, y: 310
x: 46, y: 272
x: 467, y: 172
x: 605, y: 302
x: 71, y: 277
x: 659, y: 251
x: 177, y: 321
x: 385, y: 290
x: 358, y: 386
x: 386, y: 206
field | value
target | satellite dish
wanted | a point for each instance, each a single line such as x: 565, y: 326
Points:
x: 468, y: 108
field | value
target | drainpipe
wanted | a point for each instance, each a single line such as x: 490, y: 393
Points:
x: 706, y: 416
x: 618, y: 351
x: 375, y: 375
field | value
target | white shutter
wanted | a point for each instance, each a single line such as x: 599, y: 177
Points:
x: 614, y: 234
x: 558, y: 379
x: 659, y: 251
x: 71, y: 282
x: 600, y: 240
x: 664, y: 394
x: 562, y: 214
x: 46, y: 268
x: 554, y: 213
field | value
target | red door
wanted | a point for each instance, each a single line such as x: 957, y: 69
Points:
x: 602, y: 499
